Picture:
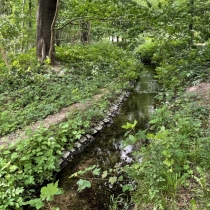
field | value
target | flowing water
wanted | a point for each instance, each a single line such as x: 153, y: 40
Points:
x: 105, y: 151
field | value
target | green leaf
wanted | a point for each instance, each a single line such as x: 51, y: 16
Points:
x: 129, y: 125
x: 112, y: 179
x: 6, y: 152
x: 128, y: 187
x: 132, y: 138
x: 104, y: 175
x: 96, y: 171
x: 120, y: 178
x: 127, y: 133
x: 5, y: 166
x: 49, y: 191
x: 82, y: 184
x: 36, y: 203
x: 13, y: 168
x: 168, y: 162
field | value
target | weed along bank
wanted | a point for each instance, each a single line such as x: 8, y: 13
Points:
x: 106, y: 154
x: 47, y: 113
x: 76, y: 133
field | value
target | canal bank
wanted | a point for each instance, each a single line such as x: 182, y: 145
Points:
x: 105, y: 150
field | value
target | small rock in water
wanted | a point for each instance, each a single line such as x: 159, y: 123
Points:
x: 121, y: 97
x: 65, y: 154
x: 106, y: 120
x: 93, y: 131
x: 109, y: 113
x: 77, y: 145
x: 72, y: 150
x: 98, y: 128
x: 108, y: 125
x: 83, y: 139
x: 101, y: 123
x: 89, y: 137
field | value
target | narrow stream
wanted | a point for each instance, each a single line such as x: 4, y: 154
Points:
x: 105, y: 151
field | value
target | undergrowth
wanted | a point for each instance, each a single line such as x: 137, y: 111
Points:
x: 171, y: 168
x: 29, y: 92
x: 28, y: 95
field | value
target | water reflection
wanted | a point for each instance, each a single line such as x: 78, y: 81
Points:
x: 105, y: 151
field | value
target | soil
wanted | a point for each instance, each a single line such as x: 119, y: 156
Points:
x: 202, y: 90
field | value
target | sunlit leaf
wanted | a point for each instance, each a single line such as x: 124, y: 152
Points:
x: 82, y: 184
x: 104, y: 175
x: 49, y: 191
x: 128, y: 187
x: 112, y: 179
x: 120, y: 178
x: 96, y: 171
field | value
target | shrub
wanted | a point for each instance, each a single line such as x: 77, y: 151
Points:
x: 146, y: 51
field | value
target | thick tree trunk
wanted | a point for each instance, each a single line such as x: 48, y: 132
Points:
x: 45, y: 16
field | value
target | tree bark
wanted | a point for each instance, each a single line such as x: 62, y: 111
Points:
x: 85, y: 32
x: 52, y: 39
x: 191, y: 22
x: 45, y: 16
x: 30, y: 13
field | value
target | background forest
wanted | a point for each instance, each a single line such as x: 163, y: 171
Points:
x: 57, y: 53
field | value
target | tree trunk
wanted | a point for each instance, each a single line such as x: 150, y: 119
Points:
x: 85, y: 32
x: 30, y: 13
x: 52, y: 39
x: 191, y: 22
x: 45, y: 16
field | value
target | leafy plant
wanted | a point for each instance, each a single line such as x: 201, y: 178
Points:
x: 146, y: 51
x: 47, y: 194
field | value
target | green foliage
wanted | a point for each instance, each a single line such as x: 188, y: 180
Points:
x: 47, y: 194
x: 180, y: 65
x: 100, y: 59
x: 178, y: 149
x: 116, y: 202
x: 31, y: 93
x: 24, y: 63
x: 107, y: 175
x: 130, y: 125
x: 173, y: 156
x: 34, y: 160
x: 8, y: 30
x: 83, y: 184
x: 146, y: 51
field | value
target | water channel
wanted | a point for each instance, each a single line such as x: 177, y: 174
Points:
x: 105, y: 151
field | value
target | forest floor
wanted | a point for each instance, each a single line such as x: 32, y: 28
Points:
x: 52, y: 119
x: 201, y: 91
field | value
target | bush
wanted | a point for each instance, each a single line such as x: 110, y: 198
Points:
x: 99, y: 59
x: 146, y: 51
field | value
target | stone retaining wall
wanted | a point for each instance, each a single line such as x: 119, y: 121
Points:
x: 86, y: 139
